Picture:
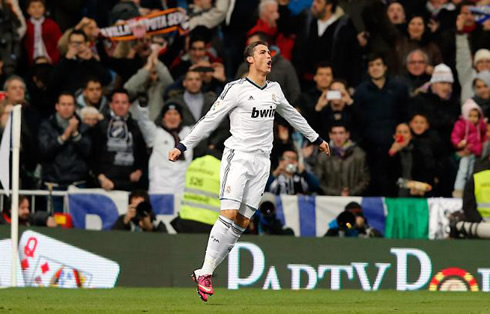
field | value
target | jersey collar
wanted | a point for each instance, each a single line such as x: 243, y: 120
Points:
x: 255, y: 84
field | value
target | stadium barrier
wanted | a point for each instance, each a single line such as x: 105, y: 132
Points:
x: 307, y: 216
x: 268, y: 262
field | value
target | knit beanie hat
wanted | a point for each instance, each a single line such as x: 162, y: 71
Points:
x: 483, y: 76
x: 442, y: 73
x: 171, y: 106
x: 481, y: 54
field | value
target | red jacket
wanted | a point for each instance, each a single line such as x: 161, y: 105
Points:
x: 51, y: 33
x: 284, y: 43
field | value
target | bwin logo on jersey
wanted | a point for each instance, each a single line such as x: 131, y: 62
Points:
x: 263, y: 113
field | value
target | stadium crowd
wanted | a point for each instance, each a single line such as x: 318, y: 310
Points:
x: 401, y: 89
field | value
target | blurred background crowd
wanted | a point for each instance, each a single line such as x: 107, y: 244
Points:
x: 400, y: 89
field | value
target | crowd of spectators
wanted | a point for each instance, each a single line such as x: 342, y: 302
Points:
x: 383, y: 81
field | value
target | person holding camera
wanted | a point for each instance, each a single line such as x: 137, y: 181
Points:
x: 140, y: 215
x: 290, y: 176
x: 351, y: 223
x: 265, y: 221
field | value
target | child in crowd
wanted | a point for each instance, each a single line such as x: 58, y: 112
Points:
x: 468, y: 136
x: 42, y: 35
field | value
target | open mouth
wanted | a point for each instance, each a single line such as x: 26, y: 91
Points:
x: 269, y: 63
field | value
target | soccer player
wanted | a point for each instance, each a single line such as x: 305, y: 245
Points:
x: 250, y: 103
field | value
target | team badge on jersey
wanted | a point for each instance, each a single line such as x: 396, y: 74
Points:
x: 216, y: 104
x: 274, y: 98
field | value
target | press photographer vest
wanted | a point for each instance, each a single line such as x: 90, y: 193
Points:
x: 200, y: 201
x: 482, y: 193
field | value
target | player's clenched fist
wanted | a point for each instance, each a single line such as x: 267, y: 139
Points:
x: 174, y: 154
x: 324, y: 148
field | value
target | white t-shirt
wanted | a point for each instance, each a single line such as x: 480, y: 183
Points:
x: 251, y: 109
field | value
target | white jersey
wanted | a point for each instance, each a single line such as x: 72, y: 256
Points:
x: 251, y: 110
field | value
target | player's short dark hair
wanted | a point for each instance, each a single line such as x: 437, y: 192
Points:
x: 249, y: 50
x: 119, y: 90
x: 139, y: 193
x: 339, y: 124
x: 78, y: 32
x: 66, y: 93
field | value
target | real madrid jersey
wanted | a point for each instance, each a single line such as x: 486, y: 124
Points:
x: 251, y: 109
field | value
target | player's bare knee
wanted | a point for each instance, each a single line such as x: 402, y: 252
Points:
x: 242, y: 221
x: 229, y: 213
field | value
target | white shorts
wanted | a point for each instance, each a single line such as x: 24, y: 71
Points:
x: 243, y: 176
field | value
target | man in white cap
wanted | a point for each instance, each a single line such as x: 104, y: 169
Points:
x: 442, y: 108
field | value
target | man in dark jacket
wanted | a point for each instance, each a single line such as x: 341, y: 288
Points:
x: 345, y: 173
x: 328, y: 36
x: 64, y: 148
x: 120, y: 157
x: 379, y: 105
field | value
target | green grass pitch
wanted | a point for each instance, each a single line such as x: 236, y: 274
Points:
x: 253, y: 301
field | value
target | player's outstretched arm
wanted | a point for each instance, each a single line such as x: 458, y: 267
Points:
x: 174, y: 154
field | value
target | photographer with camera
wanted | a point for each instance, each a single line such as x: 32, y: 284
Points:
x: 352, y: 223
x: 265, y: 220
x: 290, y: 176
x: 140, y: 215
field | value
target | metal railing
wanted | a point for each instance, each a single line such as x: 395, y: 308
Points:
x: 33, y: 193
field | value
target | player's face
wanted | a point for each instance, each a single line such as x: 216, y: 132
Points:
x: 120, y: 104
x: 419, y: 124
x: 339, y: 136
x: 262, y: 60
x: 481, y: 89
x: 172, y: 119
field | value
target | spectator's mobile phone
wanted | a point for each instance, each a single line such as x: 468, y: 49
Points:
x: 204, y: 69
x: 333, y: 95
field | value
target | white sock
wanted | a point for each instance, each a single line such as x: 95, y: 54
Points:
x: 216, y: 241
x: 231, y: 237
